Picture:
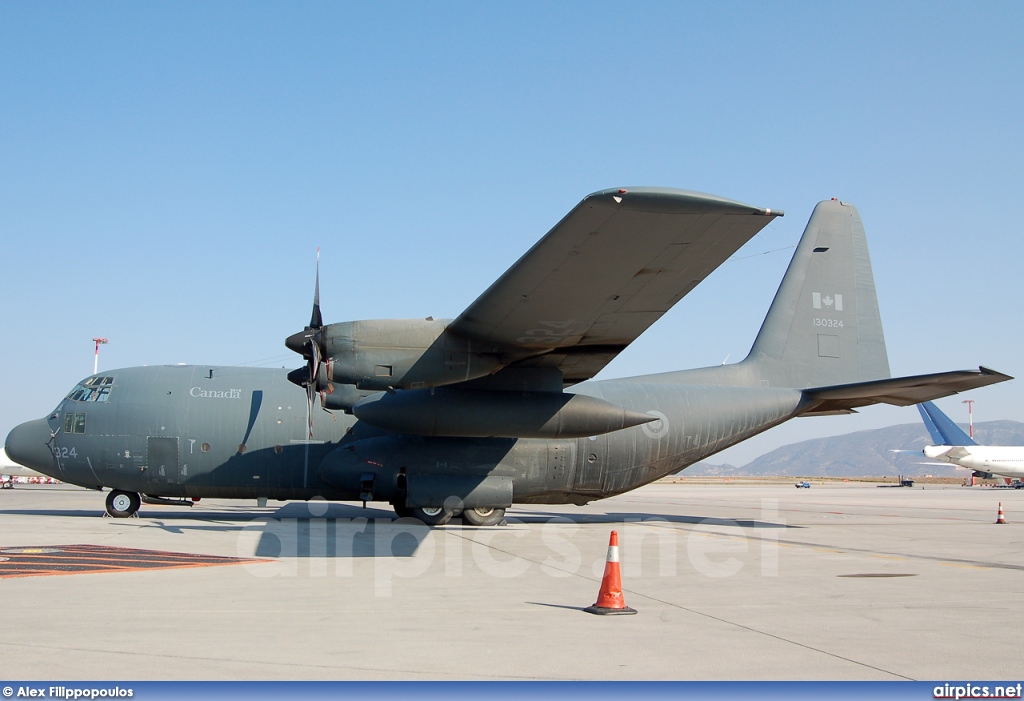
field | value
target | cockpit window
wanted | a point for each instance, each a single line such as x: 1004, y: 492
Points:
x: 74, y: 423
x: 94, y: 389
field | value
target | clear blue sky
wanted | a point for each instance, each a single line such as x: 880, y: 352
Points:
x: 168, y: 170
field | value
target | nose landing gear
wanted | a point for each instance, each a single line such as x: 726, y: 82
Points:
x: 123, y: 504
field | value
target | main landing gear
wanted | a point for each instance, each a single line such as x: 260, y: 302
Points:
x: 433, y: 515
x: 123, y: 504
x: 438, y: 515
x: 483, y: 516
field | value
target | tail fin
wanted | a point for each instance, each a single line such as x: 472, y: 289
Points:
x: 823, y: 327
x: 933, y: 430
x: 941, y: 428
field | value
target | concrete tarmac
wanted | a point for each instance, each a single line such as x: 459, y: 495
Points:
x: 731, y: 581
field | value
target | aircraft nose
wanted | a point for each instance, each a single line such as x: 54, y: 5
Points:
x: 26, y: 445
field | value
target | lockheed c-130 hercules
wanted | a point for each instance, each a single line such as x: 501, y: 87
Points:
x: 468, y: 416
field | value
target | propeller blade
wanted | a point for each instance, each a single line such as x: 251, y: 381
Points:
x: 310, y: 392
x: 307, y: 343
x: 314, y: 360
x: 316, y: 321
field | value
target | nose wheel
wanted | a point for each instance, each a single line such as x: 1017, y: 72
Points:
x: 123, y: 504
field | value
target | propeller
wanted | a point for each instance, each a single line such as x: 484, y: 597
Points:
x: 309, y: 344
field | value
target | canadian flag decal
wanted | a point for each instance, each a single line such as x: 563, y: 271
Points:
x: 832, y: 302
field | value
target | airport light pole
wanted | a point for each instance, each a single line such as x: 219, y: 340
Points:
x: 96, y: 358
x: 970, y: 416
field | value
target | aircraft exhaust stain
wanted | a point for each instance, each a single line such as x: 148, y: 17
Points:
x: 254, y: 411
x: 90, y: 559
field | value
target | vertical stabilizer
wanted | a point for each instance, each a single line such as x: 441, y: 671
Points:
x: 823, y: 327
x: 933, y: 430
x: 941, y: 428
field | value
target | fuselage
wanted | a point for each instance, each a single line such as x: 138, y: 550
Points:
x: 204, y: 431
x: 1004, y: 460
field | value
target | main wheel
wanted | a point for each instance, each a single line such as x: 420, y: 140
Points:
x: 123, y: 504
x: 401, y: 510
x: 483, y: 516
x: 432, y: 515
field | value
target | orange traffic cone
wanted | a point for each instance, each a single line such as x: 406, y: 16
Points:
x: 1000, y: 518
x: 610, y: 599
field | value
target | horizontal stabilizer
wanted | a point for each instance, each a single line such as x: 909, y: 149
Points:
x: 898, y: 391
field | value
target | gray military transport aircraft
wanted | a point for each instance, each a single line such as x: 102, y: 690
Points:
x: 443, y: 418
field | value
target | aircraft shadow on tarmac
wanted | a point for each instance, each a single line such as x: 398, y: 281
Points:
x: 333, y: 530
x: 613, y: 518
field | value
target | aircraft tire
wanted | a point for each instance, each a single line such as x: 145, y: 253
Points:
x: 432, y: 515
x: 483, y: 516
x: 123, y: 504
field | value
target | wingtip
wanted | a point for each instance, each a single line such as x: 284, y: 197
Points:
x: 995, y: 373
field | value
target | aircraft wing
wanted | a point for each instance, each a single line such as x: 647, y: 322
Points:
x: 900, y: 391
x: 605, y: 273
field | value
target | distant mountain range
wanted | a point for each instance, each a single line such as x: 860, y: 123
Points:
x: 862, y: 454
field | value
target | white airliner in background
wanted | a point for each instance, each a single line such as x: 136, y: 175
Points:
x: 10, y: 470
x: 956, y: 447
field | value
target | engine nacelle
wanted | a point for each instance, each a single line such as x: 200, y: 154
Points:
x: 404, y: 354
x: 481, y: 414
